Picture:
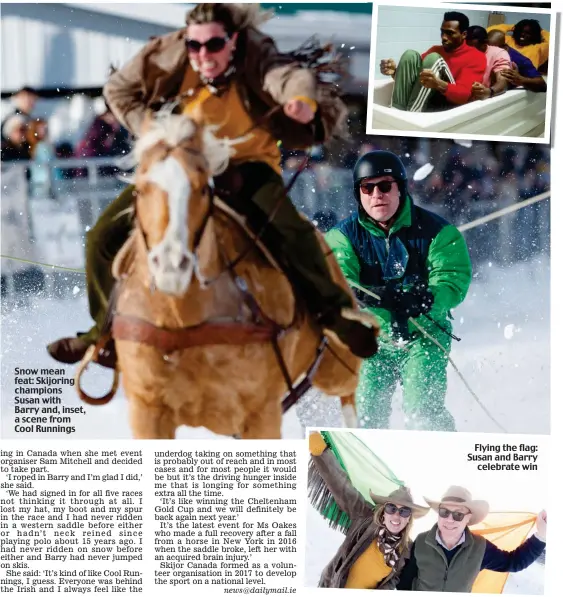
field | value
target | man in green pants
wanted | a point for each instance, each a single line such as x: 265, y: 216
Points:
x: 440, y: 78
x: 229, y: 75
x: 419, y: 267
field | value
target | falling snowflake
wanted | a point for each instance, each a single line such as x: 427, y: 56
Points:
x: 423, y: 172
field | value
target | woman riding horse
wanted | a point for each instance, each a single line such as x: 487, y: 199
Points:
x: 230, y: 75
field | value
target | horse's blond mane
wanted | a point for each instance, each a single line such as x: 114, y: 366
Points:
x: 170, y: 129
x: 173, y: 129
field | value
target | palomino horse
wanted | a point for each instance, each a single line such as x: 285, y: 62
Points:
x: 198, y: 300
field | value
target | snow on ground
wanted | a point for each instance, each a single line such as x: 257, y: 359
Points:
x: 510, y: 375
x: 508, y: 370
x: 322, y: 543
x: 25, y: 334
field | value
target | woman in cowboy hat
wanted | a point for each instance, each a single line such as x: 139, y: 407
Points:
x: 377, y: 543
x: 449, y: 556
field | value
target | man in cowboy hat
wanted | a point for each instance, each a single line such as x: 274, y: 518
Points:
x: 449, y: 556
x: 377, y: 542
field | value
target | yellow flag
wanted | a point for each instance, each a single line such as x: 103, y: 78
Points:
x: 506, y: 530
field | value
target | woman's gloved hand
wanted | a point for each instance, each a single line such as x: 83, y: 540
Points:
x: 317, y: 444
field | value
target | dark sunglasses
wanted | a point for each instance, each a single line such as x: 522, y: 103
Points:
x: 213, y: 45
x: 404, y: 511
x: 384, y: 186
x: 457, y: 516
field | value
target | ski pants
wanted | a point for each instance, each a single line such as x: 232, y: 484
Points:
x: 421, y: 368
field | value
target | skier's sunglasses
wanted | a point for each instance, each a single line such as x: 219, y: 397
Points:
x: 457, y: 516
x: 404, y: 512
x: 384, y: 186
x: 213, y: 45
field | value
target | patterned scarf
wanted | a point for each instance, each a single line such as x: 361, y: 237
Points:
x: 220, y: 84
x: 388, y: 545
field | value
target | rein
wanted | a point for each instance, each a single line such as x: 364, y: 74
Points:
x: 257, y: 236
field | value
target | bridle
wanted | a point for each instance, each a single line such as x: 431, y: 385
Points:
x: 260, y: 329
x: 207, y: 192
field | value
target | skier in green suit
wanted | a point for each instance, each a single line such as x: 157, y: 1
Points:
x: 419, y: 267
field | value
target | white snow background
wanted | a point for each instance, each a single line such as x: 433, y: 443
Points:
x: 504, y: 355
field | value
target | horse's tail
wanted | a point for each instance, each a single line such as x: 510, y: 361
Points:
x: 349, y: 411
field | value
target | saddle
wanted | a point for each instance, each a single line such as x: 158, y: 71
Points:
x: 259, y: 328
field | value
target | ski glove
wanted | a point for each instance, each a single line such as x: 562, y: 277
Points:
x: 414, y: 302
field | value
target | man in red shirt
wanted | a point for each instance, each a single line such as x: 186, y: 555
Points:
x: 443, y: 76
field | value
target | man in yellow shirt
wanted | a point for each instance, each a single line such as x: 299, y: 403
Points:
x: 228, y: 74
x: 529, y: 39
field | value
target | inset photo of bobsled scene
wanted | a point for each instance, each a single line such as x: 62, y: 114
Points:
x: 434, y: 512
x: 462, y: 71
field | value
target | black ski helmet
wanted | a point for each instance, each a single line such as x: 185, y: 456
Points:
x: 380, y: 163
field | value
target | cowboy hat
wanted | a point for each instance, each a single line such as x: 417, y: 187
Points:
x: 459, y: 496
x: 401, y: 497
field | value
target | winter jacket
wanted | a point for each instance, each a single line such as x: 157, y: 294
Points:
x: 431, y: 567
x: 361, y: 533
x: 265, y: 78
x: 420, y: 247
x: 103, y: 140
x: 15, y: 153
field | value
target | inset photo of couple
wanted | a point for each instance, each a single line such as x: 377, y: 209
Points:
x: 419, y: 511
x: 477, y: 71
